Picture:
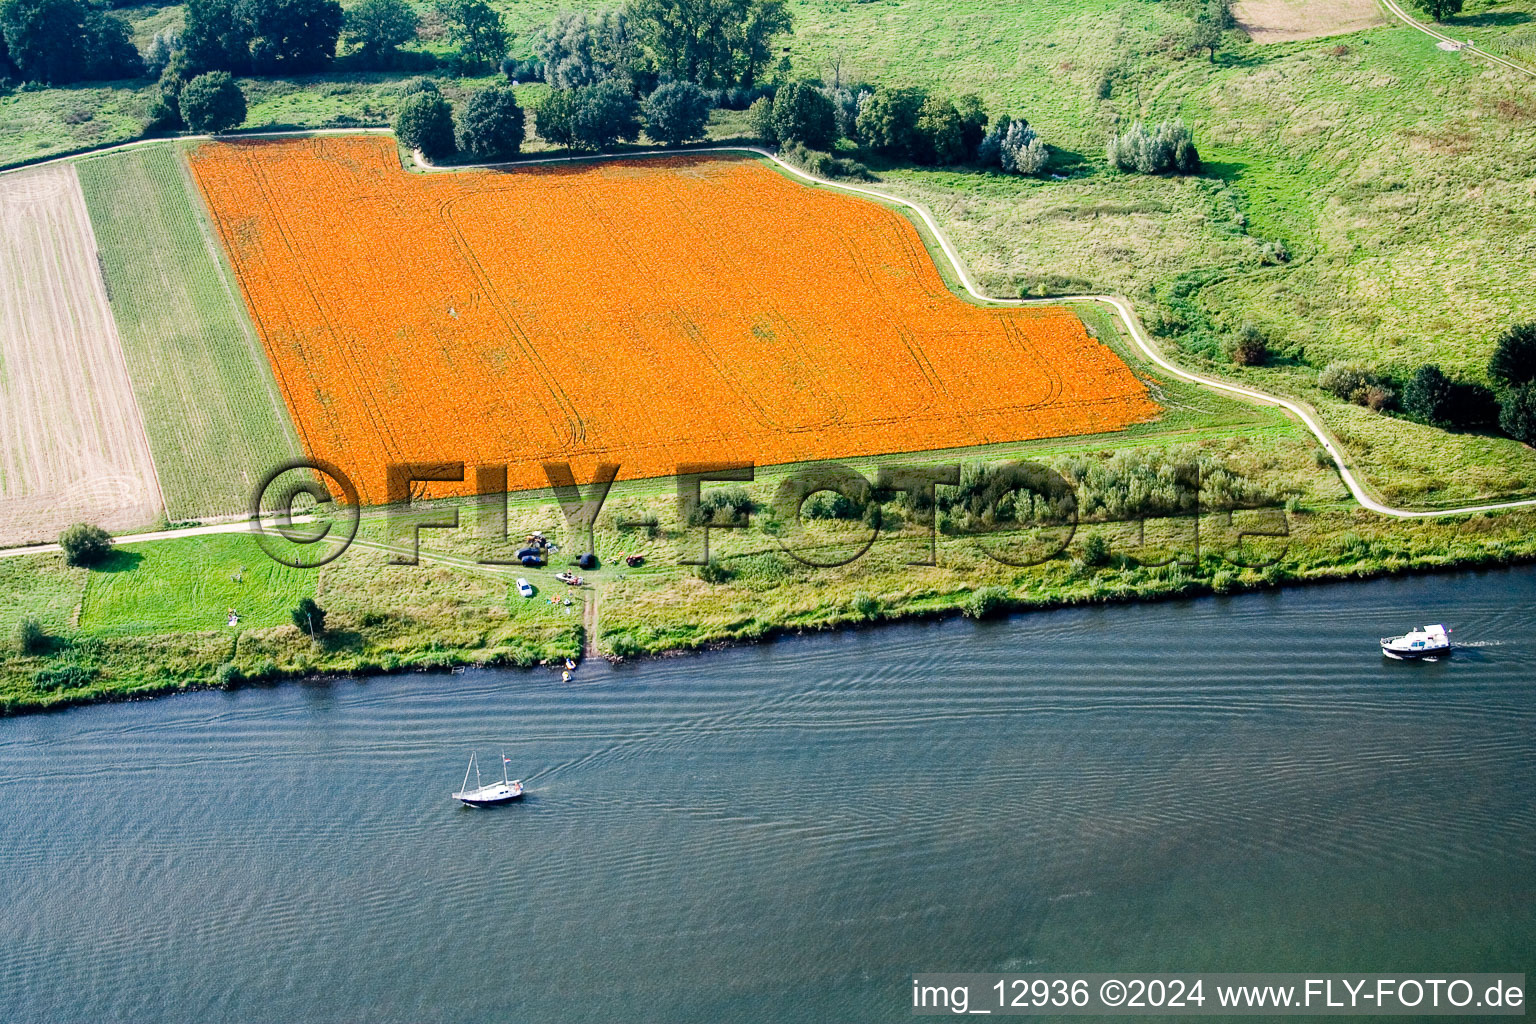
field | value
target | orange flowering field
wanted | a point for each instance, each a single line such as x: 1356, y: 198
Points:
x: 645, y: 312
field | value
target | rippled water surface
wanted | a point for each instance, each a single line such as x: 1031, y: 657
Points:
x: 787, y: 832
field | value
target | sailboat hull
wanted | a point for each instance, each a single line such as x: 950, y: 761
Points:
x: 495, y: 802
x: 491, y: 796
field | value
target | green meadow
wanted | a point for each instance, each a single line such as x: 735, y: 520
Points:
x: 190, y: 585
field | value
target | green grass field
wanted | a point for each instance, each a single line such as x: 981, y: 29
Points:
x: 216, y: 421
x: 38, y: 588
x: 190, y: 586
x: 1396, y: 175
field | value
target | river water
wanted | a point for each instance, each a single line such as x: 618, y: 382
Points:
x: 788, y: 832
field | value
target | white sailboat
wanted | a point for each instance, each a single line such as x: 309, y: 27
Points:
x: 503, y: 792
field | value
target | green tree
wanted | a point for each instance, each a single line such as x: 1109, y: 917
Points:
x: 491, y: 127
x: 1433, y: 397
x: 213, y: 103
x: 675, y: 113
x: 85, y: 544
x: 1517, y: 413
x: 758, y: 23
x: 711, y: 42
x: 58, y: 41
x: 425, y: 122
x: 940, y: 133
x: 216, y: 36
x: 760, y: 121
x: 109, y: 49
x: 578, y: 50
x: 45, y: 39
x: 1165, y: 147
x: 888, y: 121
x: 554, y: 119
x: 165, y: 108
x: 1204, y: 34
x: 1439, y: 9
x: 1429, y: 395
x: 8, y: 69
x: 973, y: 123
x: 603, y: 114
x: 378, y: 28
x: 477, y: 30
x: 309, y: 617
x: 1514, y: 356
x: 802, y: 113
x: 667, y: 29
x: 292, y: 36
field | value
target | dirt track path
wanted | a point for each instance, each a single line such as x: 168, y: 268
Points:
x: 1429, y: 30
x: 72, y: 439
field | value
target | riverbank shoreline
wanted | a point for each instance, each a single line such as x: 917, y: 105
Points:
x: 1191, y: 587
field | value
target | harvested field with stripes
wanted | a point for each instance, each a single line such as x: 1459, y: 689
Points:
x: 647, y: 312
x: 215, y: 419
x: 72, y: 440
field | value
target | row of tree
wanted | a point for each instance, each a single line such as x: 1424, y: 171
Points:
x: 58, y: 41
x: 713, y: 43
x: 492, y: 125
x: 716, y: 44
x: 903, y: 124
x: 726, y: 47
x: 1432, y: 396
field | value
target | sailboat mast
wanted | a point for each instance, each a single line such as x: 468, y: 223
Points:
x: 504, y: 767
x: 466, y: 773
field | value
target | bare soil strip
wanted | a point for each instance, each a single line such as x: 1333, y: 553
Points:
x: 1284, y: 21
x: 72, y: 440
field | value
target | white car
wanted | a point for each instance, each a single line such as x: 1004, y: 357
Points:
x: 524, y: 587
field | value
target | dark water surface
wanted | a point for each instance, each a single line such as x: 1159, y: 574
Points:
x: 788, y: 832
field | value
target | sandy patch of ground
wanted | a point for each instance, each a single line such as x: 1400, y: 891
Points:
x: 1282, y: 21
x: 72, y: 442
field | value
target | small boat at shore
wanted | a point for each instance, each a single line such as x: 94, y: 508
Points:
x: 1429, y: 642
x: 503, y: 792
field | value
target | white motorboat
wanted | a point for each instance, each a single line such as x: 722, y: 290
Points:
x: 1429, y: 642
x: 503, y: 792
